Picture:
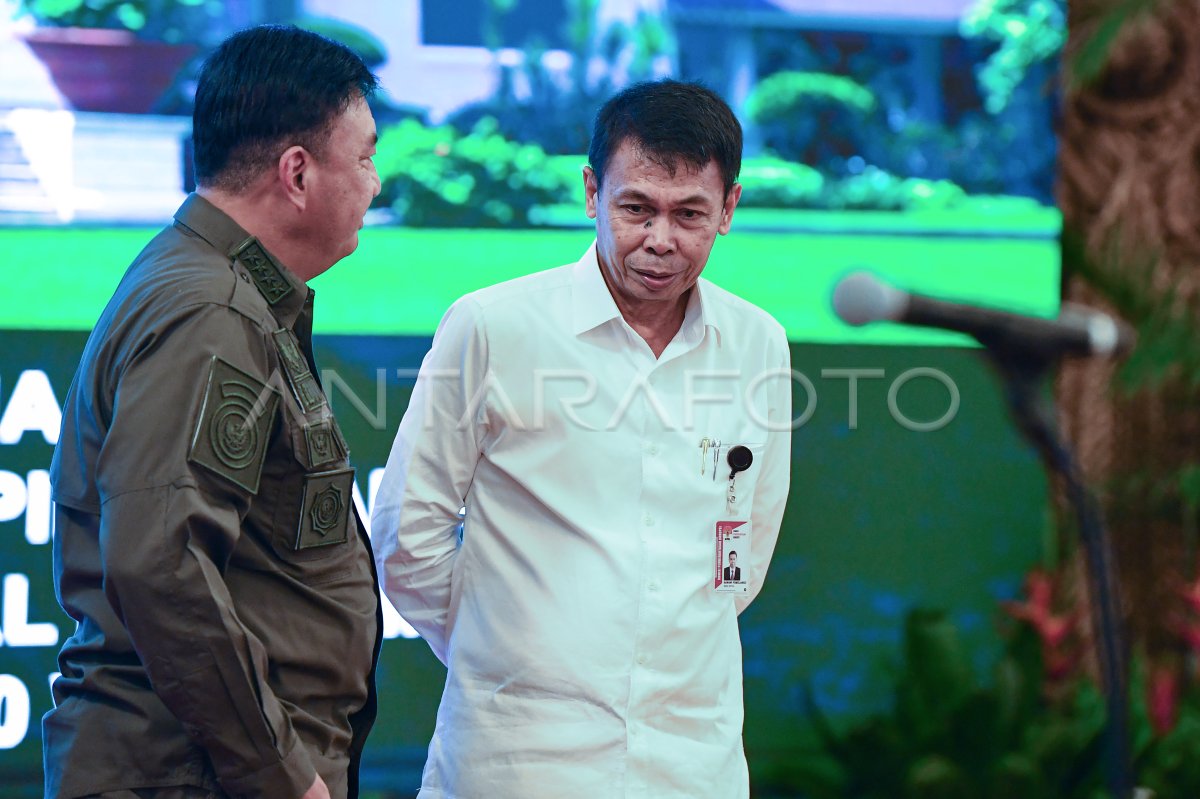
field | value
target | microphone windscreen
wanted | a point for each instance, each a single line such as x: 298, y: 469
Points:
x: 860, y: 298
x: 1108, y: 336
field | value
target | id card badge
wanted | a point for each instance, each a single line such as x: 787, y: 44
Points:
x: 731, y: 560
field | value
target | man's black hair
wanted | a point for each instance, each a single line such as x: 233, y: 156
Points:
x: 266, y: 89
x: 669, y: 121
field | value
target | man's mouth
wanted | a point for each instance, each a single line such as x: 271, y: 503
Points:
x: 656, y: 281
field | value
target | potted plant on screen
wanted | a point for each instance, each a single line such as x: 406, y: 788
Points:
x: 117, y: 56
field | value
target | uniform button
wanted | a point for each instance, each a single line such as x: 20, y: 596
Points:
x: 641, y: 659
x: 649, y: 520
x: 652, y: 449
x: 653, y: 586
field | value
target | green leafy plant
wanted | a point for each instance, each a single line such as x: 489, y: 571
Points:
x: 779, y: 95
x: 1027, y: 32
x: 164, y: 20
x: 438, y: 177
x: 1036, y: 731
x: 770, y: 182
x: 875, y: 189
x: 810, y: 117
x: 948, y: 737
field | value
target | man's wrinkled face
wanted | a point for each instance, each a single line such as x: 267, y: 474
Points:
x: 654, y: 229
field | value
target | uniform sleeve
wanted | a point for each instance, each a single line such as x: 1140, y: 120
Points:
x: 168, y: 527
x: 415, y: 517
x: 771, y: 491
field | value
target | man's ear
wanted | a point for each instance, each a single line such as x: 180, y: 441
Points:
x: 591, y: 190
x: 731, y: 201
x: 293, y: 174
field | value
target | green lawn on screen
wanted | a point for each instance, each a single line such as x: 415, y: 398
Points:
x: 401, y: 280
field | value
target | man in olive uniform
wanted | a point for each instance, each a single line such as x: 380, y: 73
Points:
x: 206, y: 540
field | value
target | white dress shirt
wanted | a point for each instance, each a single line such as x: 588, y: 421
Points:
x: 589, y: 653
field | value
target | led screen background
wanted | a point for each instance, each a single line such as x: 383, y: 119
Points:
x: 910, y: 488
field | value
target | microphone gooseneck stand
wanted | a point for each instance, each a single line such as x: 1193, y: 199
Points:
x: 1024, y: 374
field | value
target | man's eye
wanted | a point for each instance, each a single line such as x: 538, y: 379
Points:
x: 634, y: 209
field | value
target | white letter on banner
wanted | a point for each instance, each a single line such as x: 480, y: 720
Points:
x: 14, y: 711
x: 14, y: 621
x: 32, y: 406
x: 39, y: 509
x: 12, y: 496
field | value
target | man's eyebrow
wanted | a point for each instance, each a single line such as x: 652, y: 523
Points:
x: 636, y: 196
x: 632, y: 194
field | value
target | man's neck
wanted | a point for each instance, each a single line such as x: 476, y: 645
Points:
x: 259, y: 214
x: 657, y: 335
x: 656, y: 323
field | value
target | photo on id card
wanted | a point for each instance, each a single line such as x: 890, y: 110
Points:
x: 732, y: 557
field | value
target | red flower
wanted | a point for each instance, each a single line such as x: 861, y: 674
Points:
x: 1163, y: 698
x: 1057, y: 631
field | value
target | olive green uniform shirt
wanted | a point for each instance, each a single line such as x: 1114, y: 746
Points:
x: 206, y: 542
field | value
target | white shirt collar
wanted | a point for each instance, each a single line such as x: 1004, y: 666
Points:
x: 592, y: 303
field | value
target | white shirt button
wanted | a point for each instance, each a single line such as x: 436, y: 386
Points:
x: 649, y: 520
x: 653, y: 586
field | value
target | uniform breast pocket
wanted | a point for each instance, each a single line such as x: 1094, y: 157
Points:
x: 315, y: 529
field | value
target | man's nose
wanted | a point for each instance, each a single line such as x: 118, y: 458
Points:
x: 660, y: 235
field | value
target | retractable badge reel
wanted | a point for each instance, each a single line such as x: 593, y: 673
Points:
x: 739, y: 459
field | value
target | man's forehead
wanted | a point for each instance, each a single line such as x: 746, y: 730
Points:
x: 641, y: 172
x: 672, y: 164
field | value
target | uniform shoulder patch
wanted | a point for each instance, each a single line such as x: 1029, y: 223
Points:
x: 236, y: 416
x: 267, y: 275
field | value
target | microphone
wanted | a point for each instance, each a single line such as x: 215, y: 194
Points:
x: 860, y: 298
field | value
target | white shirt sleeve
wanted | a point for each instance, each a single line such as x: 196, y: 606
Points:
x: 415, y: 519
x: 771, y: 491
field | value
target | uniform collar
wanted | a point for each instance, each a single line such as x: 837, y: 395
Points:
x: 284, y: 292
x: 593, y: 305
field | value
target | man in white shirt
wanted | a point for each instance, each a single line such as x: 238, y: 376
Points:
x: 612, y: 427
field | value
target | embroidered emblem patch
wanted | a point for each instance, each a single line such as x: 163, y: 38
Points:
x: 324, y: 444
x: 304, y: 386
x: 325, y: 508
x: 234, y: 427
x: 266, y: 274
